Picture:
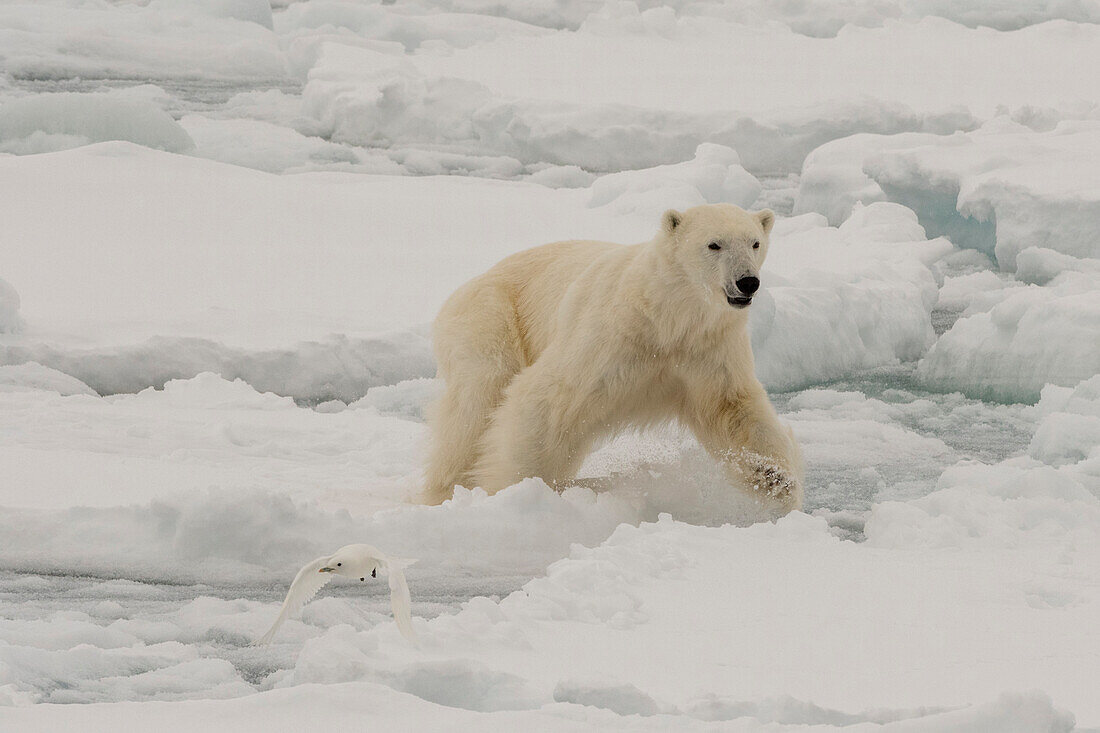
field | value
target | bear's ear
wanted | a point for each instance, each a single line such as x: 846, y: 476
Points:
x: 766, y: 217
x: 671, y: 220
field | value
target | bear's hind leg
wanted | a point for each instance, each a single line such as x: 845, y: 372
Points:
x: 548, y: 421
x: 478, y: 356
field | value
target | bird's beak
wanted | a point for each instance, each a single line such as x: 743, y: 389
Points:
x: 326, y: 570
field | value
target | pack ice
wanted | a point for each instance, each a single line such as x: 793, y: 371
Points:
x: 227, y: 225
x: 1028, y: 200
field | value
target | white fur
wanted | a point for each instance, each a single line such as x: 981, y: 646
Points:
x: 559, y: 345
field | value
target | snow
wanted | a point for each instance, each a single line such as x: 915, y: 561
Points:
x: 867, y: 285
x: 401, y: 78
x: 32, y: 376
x: 282, y: 478
x: 227, y: 225
x: 47, y: 122
x: 1039, y: 265
x: 1007, y: 347
x: 457, y: 103
x: 159, y: 40
x: 222, y: 220
x: 1027, y: 199
x: 1000, y: 189
x: 262, y: 145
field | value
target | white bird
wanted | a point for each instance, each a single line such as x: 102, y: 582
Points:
x: 351, y: 561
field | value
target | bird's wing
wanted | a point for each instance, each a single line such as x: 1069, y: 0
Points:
x: 306, y: 583
x: 400, y: 599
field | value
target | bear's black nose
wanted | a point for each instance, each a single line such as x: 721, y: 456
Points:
x: 748, y: 285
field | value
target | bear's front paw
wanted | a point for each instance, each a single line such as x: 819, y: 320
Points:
x: 766, y: 476
x: 774, y: 482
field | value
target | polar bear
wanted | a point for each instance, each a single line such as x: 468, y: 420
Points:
x: 560, y: 345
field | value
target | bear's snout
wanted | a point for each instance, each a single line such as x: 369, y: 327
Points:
x: 745, y: 288
x: 748, y: 285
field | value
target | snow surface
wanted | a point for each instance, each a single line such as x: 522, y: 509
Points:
x: 227, y: 224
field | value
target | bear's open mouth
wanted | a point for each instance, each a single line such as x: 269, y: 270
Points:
x: 739, y: 301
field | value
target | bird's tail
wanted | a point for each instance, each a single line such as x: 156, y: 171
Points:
x: 400, y: 599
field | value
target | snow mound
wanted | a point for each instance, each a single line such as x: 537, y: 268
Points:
x: 262, y: 145
x: 32, y: 375
x: 713, y: 176
x: 339, y: 368
x: 621, y: 699
x: 1020, y: 339
x: 49, y: 122
x: 1069, y: 431
x: 1039, y: 265
x: 562, y: 176
x: 1001, y: 189
x: 838, y: 300
x: 974, y: 292
x: 210, y: 391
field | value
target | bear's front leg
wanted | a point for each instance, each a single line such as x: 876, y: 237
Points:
x: 767, y: 475
x: 757, y: 452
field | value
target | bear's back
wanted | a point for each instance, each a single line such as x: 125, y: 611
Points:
x: 537, y: 279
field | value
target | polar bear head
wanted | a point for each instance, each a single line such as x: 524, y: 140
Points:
x: 720, y: 248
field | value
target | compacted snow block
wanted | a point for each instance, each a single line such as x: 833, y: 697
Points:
x: 34, y: 376
x: 49, y: 122
x: 1000, y: 189
x: 1013, y: 341
x: 841, y: 300
x: 563, y: 343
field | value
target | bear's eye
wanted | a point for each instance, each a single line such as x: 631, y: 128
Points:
x: 339, y: 564
x: 756, y: 245
x: 715, y: 245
